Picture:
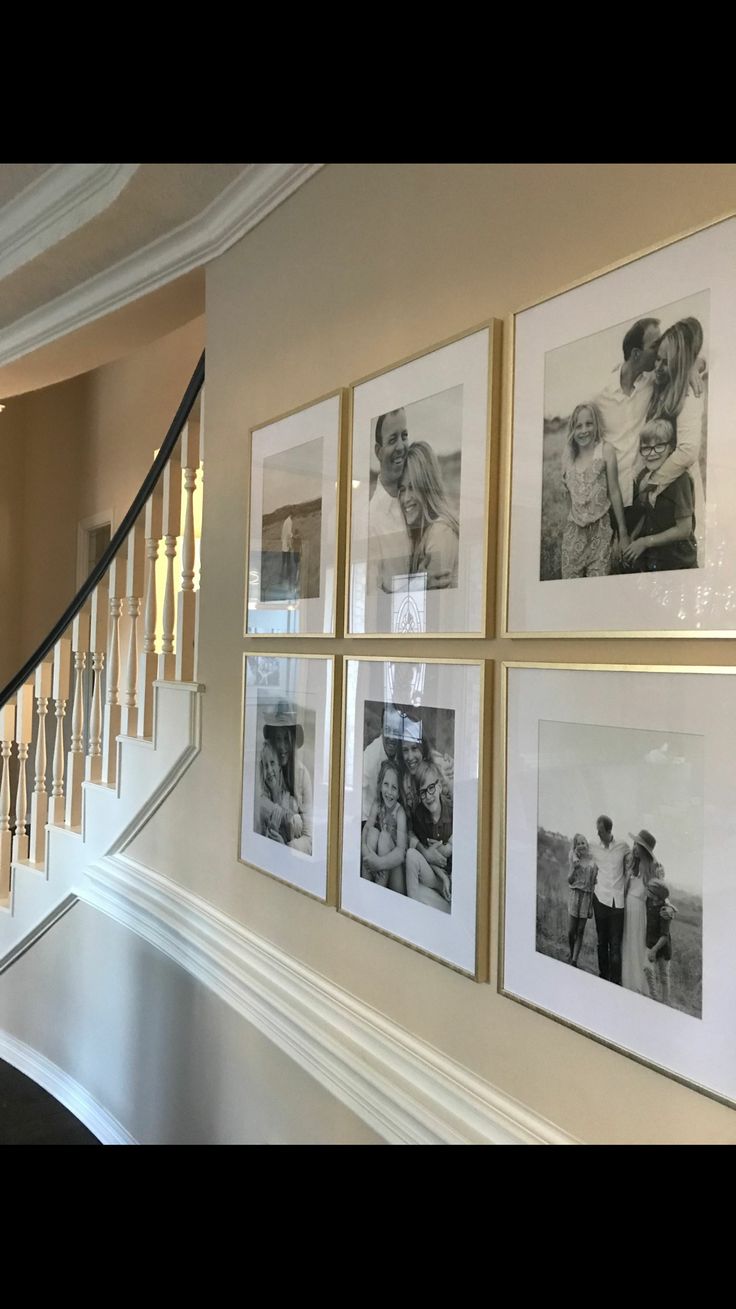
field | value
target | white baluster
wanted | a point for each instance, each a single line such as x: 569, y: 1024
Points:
x: 171, y: 516
x: 111, y: 728
x: 98, y: 620
x: 7, y: 727
x: 40, y: 799
x: 75, y: 758
x: 134, y: 570
x: 148, y: 662
x: 187, y: 609
x: 60, y: 692
x: 23, y: 733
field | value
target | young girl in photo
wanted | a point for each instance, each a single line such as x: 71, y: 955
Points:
x: 664, y: 535
x: 278, y: 813
x: 590, y: 474
x: 581, y: 879
x: 384, y: 837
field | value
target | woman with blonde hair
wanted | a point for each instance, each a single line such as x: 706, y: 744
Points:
x: 433, y: 528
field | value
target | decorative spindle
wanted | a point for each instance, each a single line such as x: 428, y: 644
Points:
x: 171, y: 519
x: 150, y: 607
x: 23, y: 733
x: 134, y: 567
x: 7, y: 725
x: 188, y: 602
x: 148, y: 662
x: 75, y: 760
x: 40, y: 799
x: 94, y: 753
x: 169, y: 611
x: 62, y: 670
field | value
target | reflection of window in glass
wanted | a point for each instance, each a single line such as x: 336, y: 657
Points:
x: 409, y: 604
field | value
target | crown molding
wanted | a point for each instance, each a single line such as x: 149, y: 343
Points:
x: 65, y: 1089
x: 405, y: 1089
x: 243, y: 204
x: 59, y: 202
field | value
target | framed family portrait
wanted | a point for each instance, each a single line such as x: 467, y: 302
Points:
x: 420, y: 494
x: 619, y: 897
x: 287, y: 751
x: 622, y: 462
x: 291, y: 564
x: 411, y: 803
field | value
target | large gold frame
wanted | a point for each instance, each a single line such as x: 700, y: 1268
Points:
x: 482, y: 891
x: 507, y: 459
x: 332, y: 807
x: 494, y: 328
x: 505, y: 665
x: 341, y: 394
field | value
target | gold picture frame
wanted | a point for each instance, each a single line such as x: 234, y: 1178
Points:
x: 442, y: 937
x: 413, y: 377
x: 677, y: 1029
x: 550, y: 350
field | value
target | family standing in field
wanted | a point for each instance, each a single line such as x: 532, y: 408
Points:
x: 412, y: 530
x: 406, y: 842
x: 630, y: 464
x: 624, y: 889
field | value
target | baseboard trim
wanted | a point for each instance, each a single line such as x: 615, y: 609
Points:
x: 65, y: 1089
x: 405, y: 1089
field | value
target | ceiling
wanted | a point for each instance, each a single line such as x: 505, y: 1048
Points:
x: 95, y: 259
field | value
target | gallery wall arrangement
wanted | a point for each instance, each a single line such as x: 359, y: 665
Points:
x: 366, y: 777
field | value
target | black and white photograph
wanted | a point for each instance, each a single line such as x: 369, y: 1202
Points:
x: 619, y: 857
x: 624, y: 446
x: 408, y: 770
x: 418, y: 469
x: 411, y: 803
x: 622, y: 464
x: 283, y: 804
x: 619, y: 905
x: 287, y: 751
x: 292, y: 535
x: 292, y: 523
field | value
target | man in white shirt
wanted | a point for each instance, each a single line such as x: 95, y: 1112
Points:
x: 623, y: 404
x: 388, y: 538
x: 608, y: 899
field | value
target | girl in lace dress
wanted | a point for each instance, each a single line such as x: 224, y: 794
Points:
x: 590, y: 474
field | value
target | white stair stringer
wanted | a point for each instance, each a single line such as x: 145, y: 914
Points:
x: 111, y: 815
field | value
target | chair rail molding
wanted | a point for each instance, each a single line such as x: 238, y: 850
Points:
x: 65, y: 1089
x: 239, y: 207
x: 58, y: 203
x: 405, y: 1089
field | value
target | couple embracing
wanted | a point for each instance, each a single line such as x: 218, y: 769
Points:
x: 411, y: 527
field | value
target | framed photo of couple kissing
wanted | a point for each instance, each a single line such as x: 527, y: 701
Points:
x: 419, y: 493
x: 292, y: 534
x: 619, y: 901
x: 621, y: 456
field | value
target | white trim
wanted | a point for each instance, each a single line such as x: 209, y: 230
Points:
x: 65, y: 1089
x: 58, y: 203
x: 406, y: 1090
x: 258, y: 190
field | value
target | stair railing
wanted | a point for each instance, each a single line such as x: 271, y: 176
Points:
x: 109, y: 633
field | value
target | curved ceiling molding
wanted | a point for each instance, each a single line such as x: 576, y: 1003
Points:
x: 242, y: 205
x: 59, y: 202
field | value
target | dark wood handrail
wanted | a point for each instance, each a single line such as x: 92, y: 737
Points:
x: 99, y: 570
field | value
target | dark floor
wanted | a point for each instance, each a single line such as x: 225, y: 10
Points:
x: 30, y: 1116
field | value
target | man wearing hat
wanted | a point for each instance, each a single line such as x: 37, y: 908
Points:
x: 608, y: 899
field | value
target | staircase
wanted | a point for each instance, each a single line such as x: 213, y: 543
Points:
x: 128, y: 737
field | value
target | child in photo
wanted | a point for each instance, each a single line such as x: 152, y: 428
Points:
x: 664, y: 535
x: 581, y: 879
x: 660, y: 913
x: 278, y: 816
x: 590, y: 474
x: 429, y: 860
x: 384, y: 839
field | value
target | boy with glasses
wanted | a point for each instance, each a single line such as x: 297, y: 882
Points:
x: 429, y: 860
x: 664, y: 535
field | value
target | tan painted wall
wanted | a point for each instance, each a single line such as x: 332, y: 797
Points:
x: 12, y: 480
x: 363, y: 266
x: 87, y: 444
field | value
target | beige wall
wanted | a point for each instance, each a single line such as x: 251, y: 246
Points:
x: 85, y: 446
x: 363, y: 266
x: 12, y: 483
